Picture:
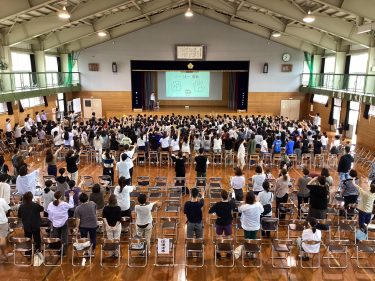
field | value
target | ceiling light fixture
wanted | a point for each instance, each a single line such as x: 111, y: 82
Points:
x: 189, y: 12
x: 309, y: 18
x: 64, y: 14
x: 276, y: 34
x: 102, y: 34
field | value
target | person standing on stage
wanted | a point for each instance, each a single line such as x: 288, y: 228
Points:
x: 152, y: 101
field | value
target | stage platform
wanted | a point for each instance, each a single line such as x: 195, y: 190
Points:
x: 191, y: 110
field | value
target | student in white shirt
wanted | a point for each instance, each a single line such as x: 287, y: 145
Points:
x: 26, y: 182
x: 237, y: 183
x: 310, y: 234
x: 258, y: 180
x: 152, y: 101
x: 250, y: 216
x: 123, y: 168
x: 122, y: 192
x: 217, y: 144
x: 4, y: 188
x: 144, y: 218
x: 4, y: 208
x: 164, y: 142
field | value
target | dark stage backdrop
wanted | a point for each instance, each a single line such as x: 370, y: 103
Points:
x: 140, y: 70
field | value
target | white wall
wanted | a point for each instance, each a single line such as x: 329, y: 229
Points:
x: 157, y: 43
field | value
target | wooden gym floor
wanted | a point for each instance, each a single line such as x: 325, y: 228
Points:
x: 209, y: 272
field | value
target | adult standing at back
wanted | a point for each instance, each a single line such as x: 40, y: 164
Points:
x: 250, y: 216
x: 30, y: 212
x: 201, y: 162
x: 86, y: 220
x: 122, y: 193
x: 319, y: 194
x: 345, y: 164
x: 237, y: 183
x: 193, y: 212
x: 58, y: 215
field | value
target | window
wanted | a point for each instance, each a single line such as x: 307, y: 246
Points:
x: 354, y: 105
x: 21, y: 63
x: 3, y: 107
x: 60, y: 102
x: 51, y: 66
x: 329, y: 68
x: 337, y: 109
x: 306, y: 76
x: 329, y: 64
x: 320, y: 99
x: 358, y: 65
x: 353, y: 113
x: 337, y: 102
x: 31, y: 102
x: 372, y: 110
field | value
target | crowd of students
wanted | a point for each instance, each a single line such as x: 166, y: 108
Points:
x: 180, y: 136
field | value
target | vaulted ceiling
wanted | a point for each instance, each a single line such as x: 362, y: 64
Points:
x: 335, y: 27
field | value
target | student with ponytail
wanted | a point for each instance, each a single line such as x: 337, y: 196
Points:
x: 310, y: 234
x: 58, y: 215
x: 122, y: 193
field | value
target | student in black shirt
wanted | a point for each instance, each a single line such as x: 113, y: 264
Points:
x: 223, y: 211
x: 112, y: 218
x: 319, y: 195
x: 201, y: 162
x: 29, y: 213
x: 179, y: 167
x: 193, y: 212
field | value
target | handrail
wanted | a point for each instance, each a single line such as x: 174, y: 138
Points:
x: 25, y: 81
x: 361, y: 84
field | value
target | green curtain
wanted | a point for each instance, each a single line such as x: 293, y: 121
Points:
x: 69, y: 76
x: 309, y: 58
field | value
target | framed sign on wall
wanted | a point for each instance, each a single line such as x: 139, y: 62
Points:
x: 190, y: 52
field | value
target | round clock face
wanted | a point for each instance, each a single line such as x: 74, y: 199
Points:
x: 286, y: 57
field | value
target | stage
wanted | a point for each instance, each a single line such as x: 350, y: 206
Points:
x: 190, y: 110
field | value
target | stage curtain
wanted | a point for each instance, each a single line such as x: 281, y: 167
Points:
x: 232, y: 90
x: 45, y: 101
x: 20, y: 107
x: 150, y: 85
x: 10, y: 108
x: 330, y: 119
x: 366, y: 111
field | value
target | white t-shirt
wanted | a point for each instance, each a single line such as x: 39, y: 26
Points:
x: 123, y: 168
x: 324, y: 140
x: 4, y: 208
x: 250, y: 218
x: 317, y: 120
x: 144, y: 215
x: 264, y: 146
x: 175, y: 144
x: 237, y: 182
x: 258, y: 180
x: 307, y: 234
x: 164, y: 142
x: 217, y: 143
x: 152, y: 96
x: 265, y: 198
x: 123, y: 198
x: 5, y: 191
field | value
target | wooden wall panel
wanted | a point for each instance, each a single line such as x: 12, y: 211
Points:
x: 113, y: 103
x: 270, y: 102
x: 366, y: 132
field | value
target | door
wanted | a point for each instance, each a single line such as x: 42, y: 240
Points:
x: 90, y: 106
x: 97, y: 107
x: 290, y: 109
